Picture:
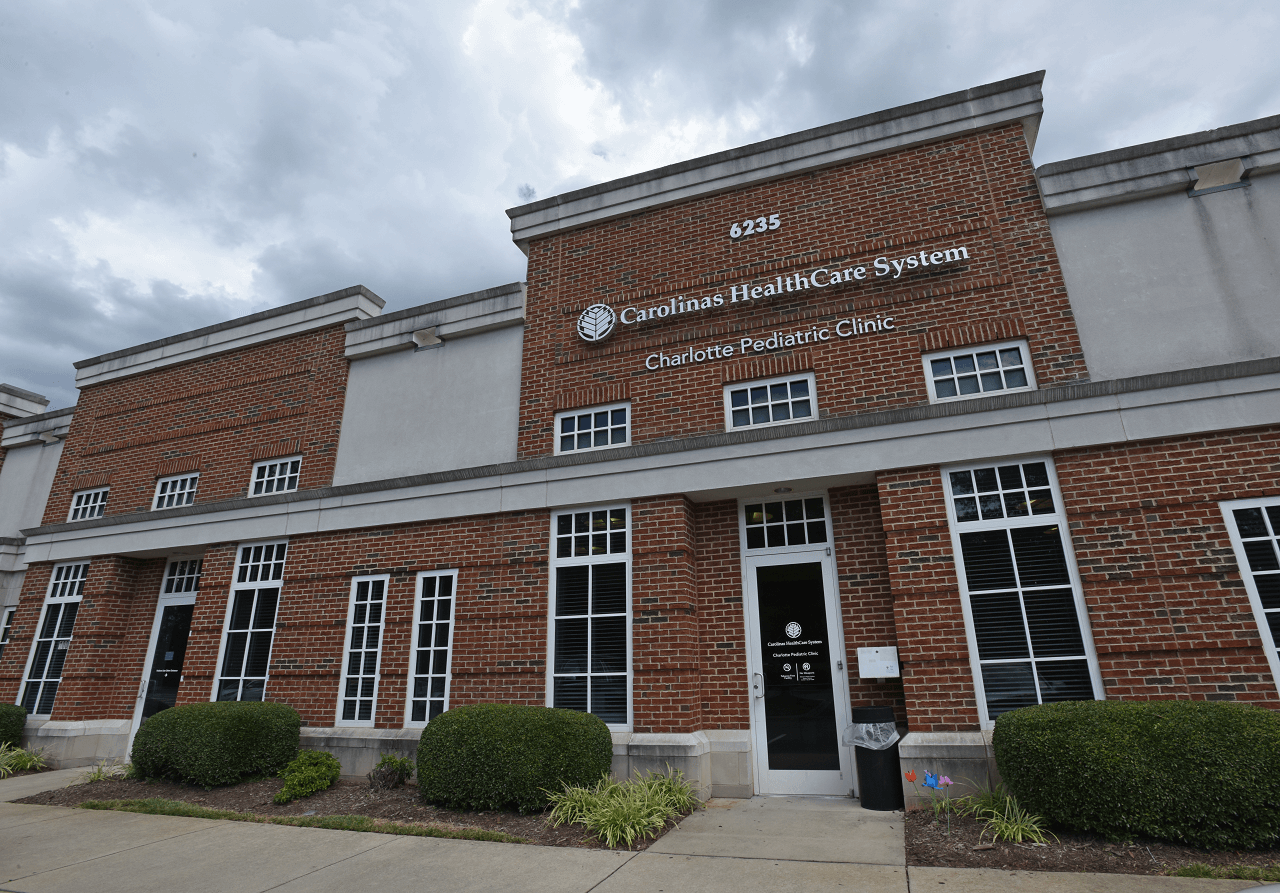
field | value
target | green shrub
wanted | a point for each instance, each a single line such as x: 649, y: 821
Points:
x: 15, y: 759
x: 217, y: 743
x: 622, y: 812
x: 489, y: 756
x: 312, y: 772
x: 1196, y: 772
x: 13, y: 717
x: 392, y: 771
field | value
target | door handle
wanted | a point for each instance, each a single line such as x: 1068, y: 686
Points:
x: 757, y: 685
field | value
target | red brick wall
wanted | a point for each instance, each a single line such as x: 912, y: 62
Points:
x: 978, y: 191
x: 214, y: 415
x: 723, y: 633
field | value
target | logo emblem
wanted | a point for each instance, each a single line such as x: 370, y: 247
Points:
x: 804, y: 667
x: 596, y: 322
x: 793, y: 630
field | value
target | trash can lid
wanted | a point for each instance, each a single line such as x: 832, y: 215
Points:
x: 871, y: 714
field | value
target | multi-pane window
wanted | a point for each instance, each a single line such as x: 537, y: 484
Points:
x: 1257, y: 544
x: 184, y: 575
x: 88, y: 504
x: 175, y: 491
x: 592, y: 429
x: 359, y: 684
x: 275, y: 476
x: 1029, y: 631
x: 974, y: 372
x: 590, y: 609
x: 787, y: 522
x: 432, y: 635
x: 53, y: 637
x: 251, y: 623
x: 5, y: 627
x: 770, y: 402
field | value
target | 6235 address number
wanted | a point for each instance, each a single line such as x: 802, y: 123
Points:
x: 754, y: 225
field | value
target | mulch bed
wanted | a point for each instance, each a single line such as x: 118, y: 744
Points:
x: 347, y: 797
x: 929, y: 844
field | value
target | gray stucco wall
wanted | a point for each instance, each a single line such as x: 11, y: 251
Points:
x: 25, y: 481
x: 451, y: 406
x: 1175, y: 282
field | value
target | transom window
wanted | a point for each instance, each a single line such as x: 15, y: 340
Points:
x: 175, y: 491
x: 275, y: 476
x: 591, y: 609
x: 184, y: 575
x: 1030, y: 634
x: 53, y: 637
x: 974, y: 372
x: 1257, y: 545
x: 789, y: 522
x: 251, y: 623
x: 88, y: 504
x: 772, y: 402
x: 364, y: 645
x: 433, y: 637
x: 592, y: 429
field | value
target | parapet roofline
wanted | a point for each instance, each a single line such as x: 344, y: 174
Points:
x: 1158, y: 167
x: 429, y: 325
x: 978, y: 108
x: 46, y: 427
x: 15, y: 401
x: 356, y: 302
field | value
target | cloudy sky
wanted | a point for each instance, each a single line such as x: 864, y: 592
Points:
x: 166, y: 165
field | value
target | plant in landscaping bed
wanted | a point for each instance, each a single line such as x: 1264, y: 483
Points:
x: 15, y: 759
x: 1009, y: 821
x: 105, y: 770
x: 13, y: 719
x: 489, y: 756
x: 312, y: 772
x: 943, y: 805
x: 622, y: 812
x: 392, y: 771
x: 1196, y: 772
x: 217, y: 743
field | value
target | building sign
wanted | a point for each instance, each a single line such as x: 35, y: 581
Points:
x: 852, y: 327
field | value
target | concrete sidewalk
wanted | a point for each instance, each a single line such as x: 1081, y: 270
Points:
x: 734, y: 846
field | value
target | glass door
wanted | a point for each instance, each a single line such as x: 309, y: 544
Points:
x: 163, y: 672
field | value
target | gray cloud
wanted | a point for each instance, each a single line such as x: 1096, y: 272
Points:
x: 165, y: 165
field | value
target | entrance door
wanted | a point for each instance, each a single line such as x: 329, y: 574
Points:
x: 163, y: 672
x: 799, y: 690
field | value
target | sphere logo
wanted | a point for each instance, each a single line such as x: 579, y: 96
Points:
x: 793, y: 630
x: 596, y: 322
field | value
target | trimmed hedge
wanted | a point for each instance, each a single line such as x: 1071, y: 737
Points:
x: 13, y: 717
x: 310, y: 773
x: 1196, y: 772
x: 491, y: 756
x: 217, y: 743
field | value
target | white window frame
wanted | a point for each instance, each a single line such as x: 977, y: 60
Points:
x: 66, y: 586
x: 556, y: 564
x: 412, y: 675
x: 251, y: 582
x: 769, y: 383
x: 84, y: 507
x: 746, y: 523
x: 1269, y: 643
x: 6, y: 625
x: 371, y: 580
x: 609, y: 408
x: 1019, y: 343
x: 1058, y: 517
x: 265, y: 463
x: 183, y: 491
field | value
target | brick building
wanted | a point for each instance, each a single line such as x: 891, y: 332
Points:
x: 876, y: 414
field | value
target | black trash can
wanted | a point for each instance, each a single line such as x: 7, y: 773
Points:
x: 879, y: 772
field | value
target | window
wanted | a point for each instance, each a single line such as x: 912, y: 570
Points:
x: 5, y: 626
x: 275, y: 476
x: 88, y: 504
x: 251, y: 623
x: 788, y: 522
x: 591, y: 611
x: 773, y: 402
x: 977, y: 371
x: 592, y: 429
x: 184, y: 575
x: 1255, y: 535
x: 53, y: 637
x: 429, y: 665
x: 1029, y: 638
x: 359, y: 686
x: 175, y: 491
